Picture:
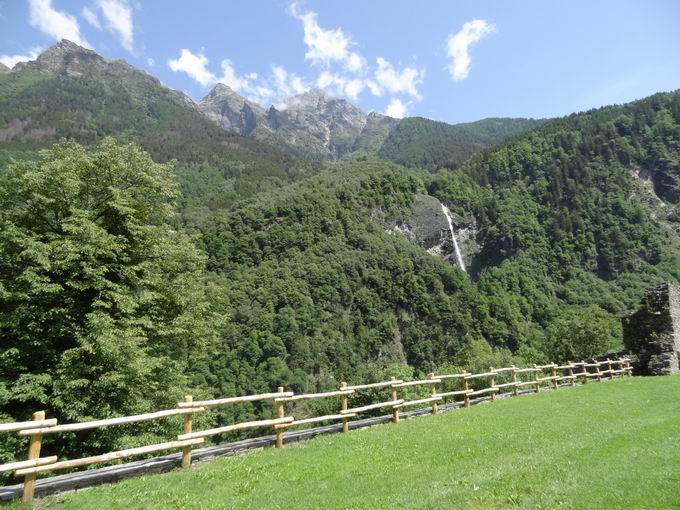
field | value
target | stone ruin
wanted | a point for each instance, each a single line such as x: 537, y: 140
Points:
x: 652, y: 332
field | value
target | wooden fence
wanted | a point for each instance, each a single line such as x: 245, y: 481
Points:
x: 468, y: 385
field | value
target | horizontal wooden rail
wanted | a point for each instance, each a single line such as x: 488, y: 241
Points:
x: 233, y: 400
x: 523, y: 370
x: 120, y: 454
x: 550, y: 378
x: 85, y: 425
x: 543, y: 367
x: 417, y: 383
x: 373, y: 385
x: 506, y: 385
x: 317, y: 419
x: 451, y: 393
x: 454, y: 376
x: 369, y: 407
x: 307, y: 396
x: 483, y: 374
x: 24, y: 425
x: 481, y: 392
x: 407, y: 403
x: 13, y: 466
x: 236, y: 426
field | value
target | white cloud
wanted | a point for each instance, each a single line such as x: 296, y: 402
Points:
x: 325, y: 45
x: 195, y: 65
x: 345, y: 72
x: 118, y: 16
x: 264, y: 90
x: 150, y: 62
x: 396, y: 108
x: 396, y: 82
x: 355, y: 63
x: 56, y: 24
x: 459, y: 46
x: 11, y: 60
x: 287, y: 84
x: 91, y: 17
x: 339, y: 85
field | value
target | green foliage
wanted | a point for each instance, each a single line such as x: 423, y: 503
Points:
x: 424, y: 143
x: 104, y: 307
x: 564, y: 224
x: 582, y: 332
x: 215, y: 169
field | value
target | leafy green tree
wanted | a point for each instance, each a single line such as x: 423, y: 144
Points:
x: 103, y: 304
x: 581, y: 332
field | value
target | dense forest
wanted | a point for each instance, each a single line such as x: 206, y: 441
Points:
x: 128, y: 279
x: 423, y: 143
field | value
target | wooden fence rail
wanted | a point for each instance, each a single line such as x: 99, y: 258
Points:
x: 550, y: 375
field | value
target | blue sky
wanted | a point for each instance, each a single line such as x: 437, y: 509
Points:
x: 448, y: 60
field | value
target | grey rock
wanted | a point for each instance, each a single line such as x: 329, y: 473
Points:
x: 652, y: 332
x: 426, y: 226
x: 231, y: 111
x: 311, y: 124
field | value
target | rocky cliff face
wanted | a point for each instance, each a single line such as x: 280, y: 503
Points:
x: 428, y: 228
x: 311, y: 124
x: 231, y: 111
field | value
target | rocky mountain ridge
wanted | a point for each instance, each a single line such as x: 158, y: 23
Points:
x: 312, y: 123
x: 311, y: 126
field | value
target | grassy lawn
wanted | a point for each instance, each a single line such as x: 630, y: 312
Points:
x: 604, y: 445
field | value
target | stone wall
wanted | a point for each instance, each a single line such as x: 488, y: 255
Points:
x: 652, y: 333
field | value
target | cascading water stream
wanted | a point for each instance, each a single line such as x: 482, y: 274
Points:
x: 459, y: 257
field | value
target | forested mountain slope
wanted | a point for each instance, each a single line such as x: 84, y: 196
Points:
x: 424, y: 143
x: 269, y: 271
x: 71, y: 92
x: 565, y: 218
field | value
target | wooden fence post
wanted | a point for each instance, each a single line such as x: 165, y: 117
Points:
x: 35, y: 442
x: 571, y: 374
x: 188, y: 419
x: 585, y: 372
x: 609, y: 367
x: 343, y: 406
x: 393, y: 394
x: 554, y: 374
x: 514, y: 379
x: 537, y: 383
x: 492, y: 383
x: 433, y: 392
x: 466, y: 387
x: 599, y: 373
x: 280, y: 413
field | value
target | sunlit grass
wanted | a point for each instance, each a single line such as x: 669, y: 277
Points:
x: 604, y: 445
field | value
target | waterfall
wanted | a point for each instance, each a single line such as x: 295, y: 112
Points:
x: 459, y: 257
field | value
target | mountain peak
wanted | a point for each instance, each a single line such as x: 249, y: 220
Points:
x: 231, y: 111
x: 310, y: 99
x: 4, y: 68
x: 64, y: 57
